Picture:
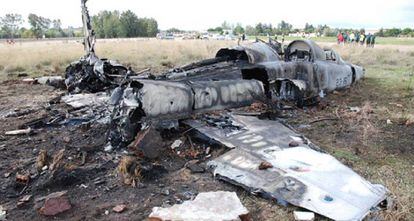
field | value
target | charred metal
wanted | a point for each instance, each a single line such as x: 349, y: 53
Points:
x: 137, y: 104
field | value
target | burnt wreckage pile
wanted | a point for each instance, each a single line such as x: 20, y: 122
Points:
x: 300, y: 174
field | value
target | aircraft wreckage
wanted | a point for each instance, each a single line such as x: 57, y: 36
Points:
x: 302, y: 174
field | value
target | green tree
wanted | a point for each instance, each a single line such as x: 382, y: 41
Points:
x: 216, y: 30
x: 238, y: 29
x: 309, y: 28
x: 406, y: 31
x: 26, y: 33
x: 38, y: 24
x: 393, y: 32
x: 152, y: 27
x: 107, y: 24
x: 56, y: 31
x: 380, y: 33
x: 259, y: 29
x: 250, y: 30
x: 112, y: 24
x: 129, y: 24
x: 284, y: 27
x: 175, y: 30
x: 10, y: 24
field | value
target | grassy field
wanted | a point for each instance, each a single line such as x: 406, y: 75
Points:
x: 378, y: 142
x: 51, y: 58
x: 378, y: 40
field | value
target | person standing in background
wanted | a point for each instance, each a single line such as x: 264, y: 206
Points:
x: 352, y: 37
x: 362, y: 38
x: 373, y: 40
x: 339, y: 37
x: 357, y: 37
x: 346, y: 37
x: 368, y: 40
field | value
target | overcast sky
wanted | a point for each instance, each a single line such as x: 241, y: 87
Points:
x: 200, y: 15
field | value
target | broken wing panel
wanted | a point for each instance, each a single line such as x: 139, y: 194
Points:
x: 302, y: 175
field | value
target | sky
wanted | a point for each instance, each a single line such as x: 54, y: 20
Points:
x: 201, y: 15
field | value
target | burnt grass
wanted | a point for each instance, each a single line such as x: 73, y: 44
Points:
x: 380, y: 152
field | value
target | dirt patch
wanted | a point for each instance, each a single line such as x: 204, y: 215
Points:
x: 91, y: 176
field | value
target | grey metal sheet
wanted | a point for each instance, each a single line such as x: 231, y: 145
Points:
x: 301, y: 175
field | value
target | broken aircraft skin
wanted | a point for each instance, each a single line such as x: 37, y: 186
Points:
x: 301, y: 175
x: 91, y: 74
x: 138, y: 102
x: 227, y: 63
x: 307, y: 72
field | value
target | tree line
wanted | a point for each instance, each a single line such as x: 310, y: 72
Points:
x: 396, y: 32
x: 113, y: 24
x: 284, y: 28
x: 262, y: 29
x: 107, y: 24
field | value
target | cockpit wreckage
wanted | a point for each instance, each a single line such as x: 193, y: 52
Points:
x: 302, y: 175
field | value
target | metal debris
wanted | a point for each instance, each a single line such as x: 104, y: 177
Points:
x: 147, y: 99
x: 19, y: 132
x: 217, y: 206
x: 54, y: 81
x: 303, y: 176
x: 306, y: 73
x: 119, y: 208
x: 86, y: 100
x: 3, y: 213
x: 177, y: 143
x: 91, y: 74
x: 303, y: 216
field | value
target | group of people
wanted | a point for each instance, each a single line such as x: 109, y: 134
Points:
x: 10, y: 42
x: 356, y: 38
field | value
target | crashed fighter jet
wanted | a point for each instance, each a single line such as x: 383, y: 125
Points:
x: 307, y: 72
x: 302, y: 175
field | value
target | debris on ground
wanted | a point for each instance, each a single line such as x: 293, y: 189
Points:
x: 265, y: 165
x: 129, y: 170
x: 303, y: 175
x: 177, y: 143
x: 54, y: 81
x: 3, y: 213
x: 119, y: 208
x: 22, y: 178
x: 162, y: 132
x: 303, y: 216
x: 409, y: 122
x: 54, y: 203
x: 194, y: 166
x: 218, y: 206
x: 41, y: 160
x: 24, y: 200
x: 57, y: 159
x: 355, y: 109
x: 19, y: 132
